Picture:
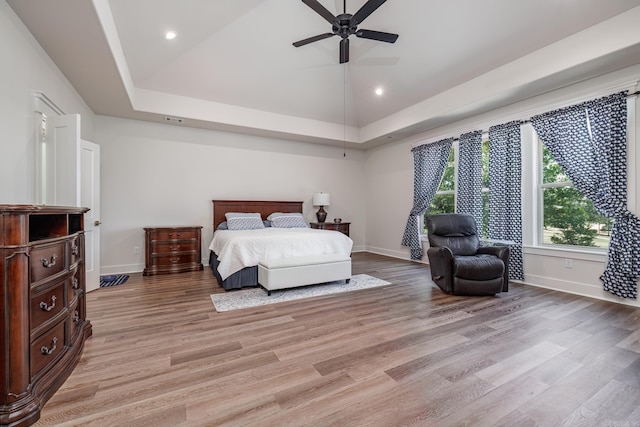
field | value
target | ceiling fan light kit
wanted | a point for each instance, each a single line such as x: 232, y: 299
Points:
x: 345, y: 25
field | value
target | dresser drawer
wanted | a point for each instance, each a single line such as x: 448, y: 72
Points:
x: 74, y: 286
x: 75, y: 320
x: 176, y: 259
x: 46, y: 305
x: 47, y: 261
x: 45, y: 349
x: 177, y: 234
x: 168, y: 247
x: 75, y: 249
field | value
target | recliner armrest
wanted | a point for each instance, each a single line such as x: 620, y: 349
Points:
x: 440, y: 259
x: 440, y: 264
x: 501, y: 252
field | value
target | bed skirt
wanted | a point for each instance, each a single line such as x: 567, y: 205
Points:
x: 247, y: 277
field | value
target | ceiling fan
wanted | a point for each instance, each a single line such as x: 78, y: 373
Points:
x: 345, y: 24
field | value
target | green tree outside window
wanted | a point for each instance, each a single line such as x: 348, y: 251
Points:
x: 569, y: 218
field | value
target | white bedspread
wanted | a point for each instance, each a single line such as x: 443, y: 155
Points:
x: 239, y: 249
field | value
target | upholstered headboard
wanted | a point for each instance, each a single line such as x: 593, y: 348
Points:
x: 264, y: 208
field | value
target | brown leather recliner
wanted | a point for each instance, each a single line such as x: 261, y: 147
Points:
x: 459, y: 265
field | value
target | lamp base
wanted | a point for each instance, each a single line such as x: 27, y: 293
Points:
x: 321, y: 215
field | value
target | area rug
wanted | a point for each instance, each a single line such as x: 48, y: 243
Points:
x: 113, y: 280
x: 255, y: 297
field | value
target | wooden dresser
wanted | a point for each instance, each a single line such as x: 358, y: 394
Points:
x: 172, y: 250
x: 342, y: 227
x: 42, y: 305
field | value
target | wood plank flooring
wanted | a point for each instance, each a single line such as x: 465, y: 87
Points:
x: 401, y: 355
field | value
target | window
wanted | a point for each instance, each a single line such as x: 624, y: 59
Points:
x: 444, y: 200
x: 485, y: 189
x: 568, y: 218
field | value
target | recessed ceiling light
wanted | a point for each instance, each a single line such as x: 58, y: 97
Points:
x: 379, y: 91
x: 170, y: 35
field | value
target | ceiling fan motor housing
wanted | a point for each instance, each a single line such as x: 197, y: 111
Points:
x: 343, y: 28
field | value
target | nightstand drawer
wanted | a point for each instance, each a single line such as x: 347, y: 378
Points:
x: 177, y: 234
x: 175, y: 259
x: 168, y: 247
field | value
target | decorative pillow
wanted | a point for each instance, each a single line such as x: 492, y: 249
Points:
x: 276, y: 214
x: 225, y: 226
x: 289, y: 221
x: 245, y: 223
x: 241, y: 215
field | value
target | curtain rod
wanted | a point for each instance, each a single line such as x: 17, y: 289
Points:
x: 522, y: 122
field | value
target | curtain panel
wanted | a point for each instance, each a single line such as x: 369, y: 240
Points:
x: 429, y: 163
x: 589, y: 142
x: 469, y: 185
x: 505, y: 202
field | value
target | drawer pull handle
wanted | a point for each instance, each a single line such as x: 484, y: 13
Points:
x: 174, y: 247
x: 174, y: 260
x: 74, y: 283
x: 74, y: 250
x: 48, y: 351
x: 174, y: 234
x: 76, y: 316
x: 45, y: 307
x: 48, y: 264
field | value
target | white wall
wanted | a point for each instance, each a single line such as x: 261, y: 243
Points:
x: 389, y: 192
x: 159, y: 174
x: 25, y: 69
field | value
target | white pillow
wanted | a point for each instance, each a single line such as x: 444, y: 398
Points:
x: 276, y: 214
x: 241, y: 215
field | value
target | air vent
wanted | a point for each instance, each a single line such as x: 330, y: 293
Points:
x: 173, y: 119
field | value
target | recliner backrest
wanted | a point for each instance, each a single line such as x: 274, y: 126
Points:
x: 454, y: 231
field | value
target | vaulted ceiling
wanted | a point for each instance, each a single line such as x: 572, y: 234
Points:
x: 232, y: 65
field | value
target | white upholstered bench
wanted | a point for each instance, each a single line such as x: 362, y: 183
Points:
x: 286, y: 273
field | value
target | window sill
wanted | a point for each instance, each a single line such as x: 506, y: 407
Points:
x: 599, y: 255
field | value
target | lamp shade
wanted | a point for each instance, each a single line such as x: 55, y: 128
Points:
x: 321, y: 199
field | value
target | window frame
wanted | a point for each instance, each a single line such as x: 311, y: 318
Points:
x: 539, y: 223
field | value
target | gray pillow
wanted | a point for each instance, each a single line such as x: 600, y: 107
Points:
x: 288, y: 221
x: 244, y: 223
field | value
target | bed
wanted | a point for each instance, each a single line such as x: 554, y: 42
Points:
x: 234, y: 270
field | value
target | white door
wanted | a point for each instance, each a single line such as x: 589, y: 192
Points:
x: 90, y: 198
x: 62, y: 161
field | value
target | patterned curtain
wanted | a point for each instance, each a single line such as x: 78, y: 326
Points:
x: 589, y: 143
x: 429, y: 163
x: 505, y: 172
x: 469, y: 187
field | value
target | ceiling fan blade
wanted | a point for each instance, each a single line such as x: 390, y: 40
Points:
x: 344, y: 50
x: 377, y: 35
x: 366, y: 10
x: 321, y: 10
x: 313, y: 39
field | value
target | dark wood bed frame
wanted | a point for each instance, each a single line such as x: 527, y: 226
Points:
x: 264, y: 208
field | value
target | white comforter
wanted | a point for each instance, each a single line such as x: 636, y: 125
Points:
x: 239, y: 249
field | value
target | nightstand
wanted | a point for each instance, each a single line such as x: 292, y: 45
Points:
x: 342, y: 227
x: 172, y: 250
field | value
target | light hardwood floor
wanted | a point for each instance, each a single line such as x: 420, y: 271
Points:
x: 404, y: 354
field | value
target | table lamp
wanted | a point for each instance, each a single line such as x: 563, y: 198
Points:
x: 322, y: 200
